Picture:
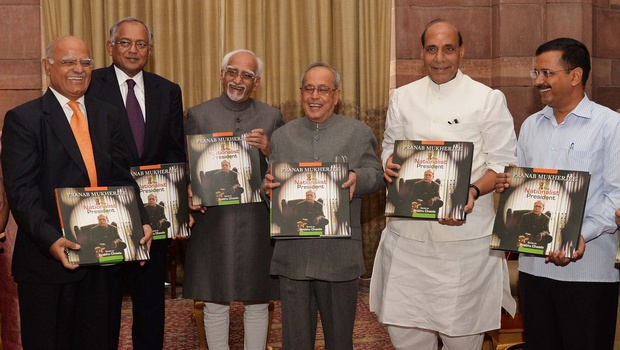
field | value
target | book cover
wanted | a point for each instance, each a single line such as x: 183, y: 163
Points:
x: 310, y: 201
x: 541, y: 211
x: 433, y: 181
x: 224, y: 169
x: 105, y: 221
x: 163, y: 189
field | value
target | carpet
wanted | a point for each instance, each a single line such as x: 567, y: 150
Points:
x: 180, y: 330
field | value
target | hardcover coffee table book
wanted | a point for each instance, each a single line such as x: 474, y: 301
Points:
x: 224, y: 169
x: 541, y: 211
x: 163, y: 189
x: 433, y: 181
x: 310, y: 201
x: 105, y: 221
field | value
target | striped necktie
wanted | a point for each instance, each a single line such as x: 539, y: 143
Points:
x: 136, y: 118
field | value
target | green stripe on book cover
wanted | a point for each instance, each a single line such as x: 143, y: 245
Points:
x: 229, y: 202
x: 531, y: 250
x: 111, y: 259
x: 159, y: 235
x: 424, y: 215
x: 310, y: 233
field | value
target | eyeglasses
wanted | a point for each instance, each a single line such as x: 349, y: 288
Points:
x: 233, y: 73
x: 534, y: 73
x: 323, y: 90
x: 126, y: 44
x: 69, y: 62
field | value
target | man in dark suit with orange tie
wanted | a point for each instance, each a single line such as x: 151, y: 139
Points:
x: 151, y: 114
x: 62, y: 139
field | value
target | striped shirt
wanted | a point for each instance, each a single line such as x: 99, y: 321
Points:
x: 587, y: 140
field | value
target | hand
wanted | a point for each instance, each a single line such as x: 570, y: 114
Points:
x: 192, y: 207
x: 469, y: 207
x: 258, y: 139
x: 58, y: 252
x: 450, y: 221
x: 268, y: 184
x: 351, y: 184
x: 618, y: 217
x: 391, y: 170
x: 147, y: 239
x: 559, y: 256
x: 502, y: 182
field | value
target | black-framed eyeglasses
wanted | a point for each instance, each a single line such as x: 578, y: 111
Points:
x: 534, y: 73
x: 323, y: 90
x: 233, y: 72
x: 69, y: 62
x: 126, y: 44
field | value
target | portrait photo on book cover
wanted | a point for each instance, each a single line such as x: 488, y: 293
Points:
x: 224, y: 172
x: 540, y: 213
x: 164, y: 194
x: 310, y: 203
x: 432, y: 183
x: 107, y: 227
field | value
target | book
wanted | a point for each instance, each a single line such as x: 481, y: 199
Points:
x: 105, y: 221
x: 433, y: 180
x: 310, y: 201
x: 224, y: 169
x: 541, y: 211
x: 163, y: 189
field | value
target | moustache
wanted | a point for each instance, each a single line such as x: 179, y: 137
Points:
x: 233, y: 85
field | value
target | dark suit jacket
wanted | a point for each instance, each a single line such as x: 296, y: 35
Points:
x: 39, y: 154
x: 165, y: 140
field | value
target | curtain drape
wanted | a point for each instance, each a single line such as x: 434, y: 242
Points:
x: 192, y: 36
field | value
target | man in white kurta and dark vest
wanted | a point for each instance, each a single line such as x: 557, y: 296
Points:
x: 439, y: 279
x: 229, y: 252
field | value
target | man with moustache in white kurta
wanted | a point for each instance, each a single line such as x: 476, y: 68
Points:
x: 439, y: 279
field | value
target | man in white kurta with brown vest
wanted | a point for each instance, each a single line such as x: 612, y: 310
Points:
x: 439, y: 279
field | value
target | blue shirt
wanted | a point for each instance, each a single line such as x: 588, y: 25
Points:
x: 587, y: 140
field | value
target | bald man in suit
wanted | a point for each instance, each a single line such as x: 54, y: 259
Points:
x: 60, y: 305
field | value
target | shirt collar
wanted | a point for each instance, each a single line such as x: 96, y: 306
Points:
x: 121, y: 78
x: 320, y: 126
x: 581, y: 111
x: 63, y: 100
x: 448, y: 86
x: 232, y: 105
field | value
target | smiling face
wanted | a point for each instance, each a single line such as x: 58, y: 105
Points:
x: 70, y: 81
x: 442, y: 53
x: 237, y: 78
x: 319, y: 108
x: 130, y: 60
x: 558, y: 89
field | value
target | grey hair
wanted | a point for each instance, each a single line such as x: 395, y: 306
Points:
x: 114, y: 28
x: 337, y: 76
x: 259, y: 62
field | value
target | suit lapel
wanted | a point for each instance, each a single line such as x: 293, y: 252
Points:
x: 113, y: 95
x: 97, y: 127
x: 56, y: 118
x: 153, y: 109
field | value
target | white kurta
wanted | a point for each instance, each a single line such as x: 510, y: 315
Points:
x: 432, y: 276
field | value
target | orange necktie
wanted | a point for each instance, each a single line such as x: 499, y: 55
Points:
x: 79, y: 126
